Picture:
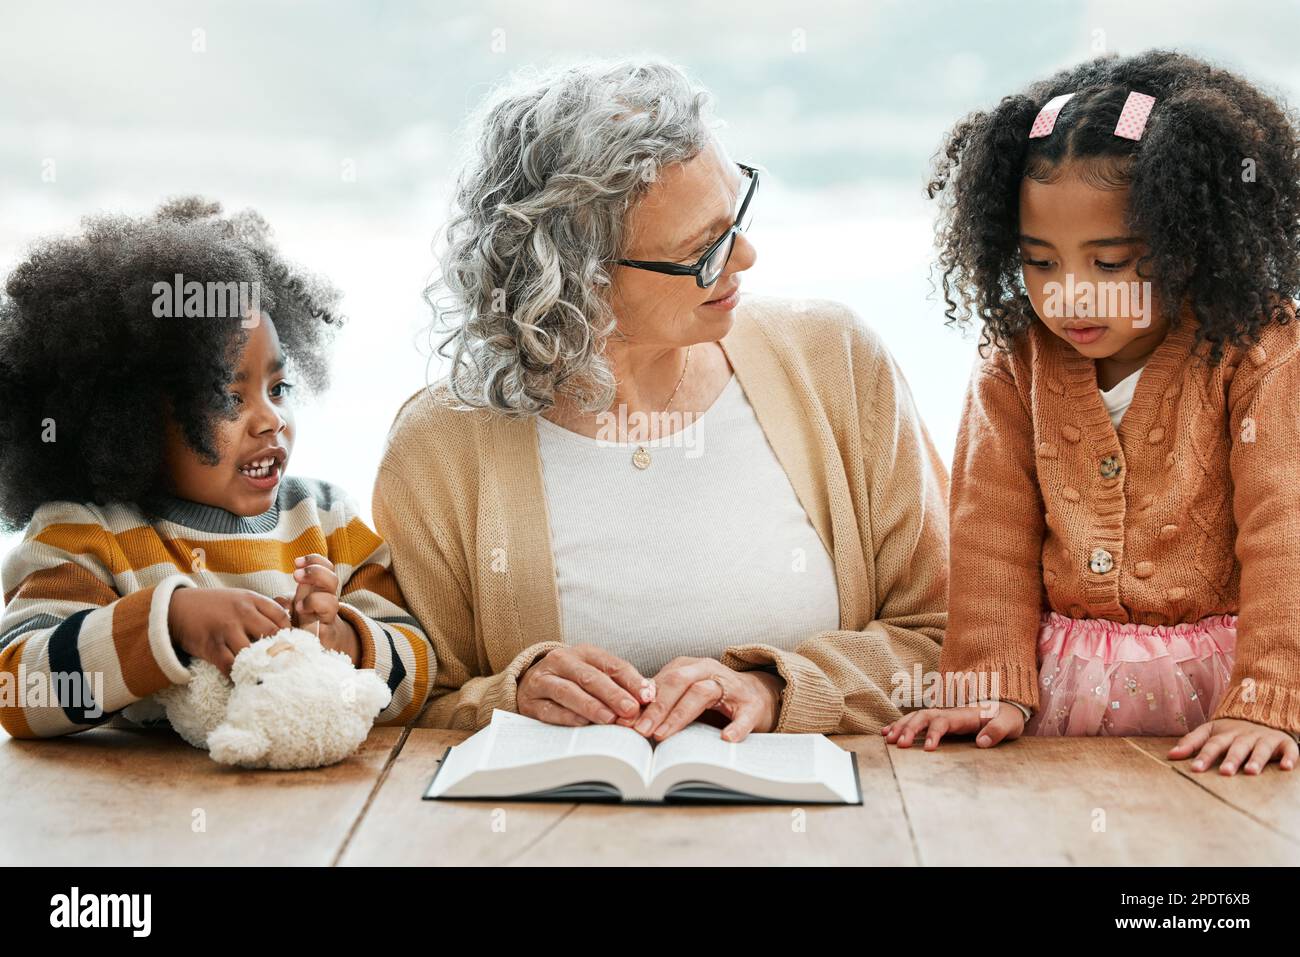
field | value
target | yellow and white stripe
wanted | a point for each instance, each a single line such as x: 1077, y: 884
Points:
x: 87, y: 594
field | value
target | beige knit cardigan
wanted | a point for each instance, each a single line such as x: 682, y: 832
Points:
x: 460, y: 500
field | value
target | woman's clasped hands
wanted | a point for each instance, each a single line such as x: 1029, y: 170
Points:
x: 583, y: 684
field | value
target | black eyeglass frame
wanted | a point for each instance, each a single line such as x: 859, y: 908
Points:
x: 697, y: 270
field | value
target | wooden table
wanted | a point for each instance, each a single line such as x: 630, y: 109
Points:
x: 116, y: 796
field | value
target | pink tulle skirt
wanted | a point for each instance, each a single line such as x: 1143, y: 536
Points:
x: 1103, y: 677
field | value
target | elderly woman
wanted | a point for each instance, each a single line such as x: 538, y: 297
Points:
x: 768, y: 560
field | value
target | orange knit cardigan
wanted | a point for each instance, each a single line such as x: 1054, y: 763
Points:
x: 1189, y: 509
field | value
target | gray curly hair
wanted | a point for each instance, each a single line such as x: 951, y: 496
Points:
x: 556, y: 160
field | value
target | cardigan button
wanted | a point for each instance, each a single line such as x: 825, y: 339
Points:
x: 1110, y: 466
x: 1176, y: 594
x: 1070, y: 433
x: 1257, y: 355
x: 1155, y: 435
x: 1046, y: 450
x: 1101, y: 561
x: 1146, y: 502
x: 1144, y: 569
x: 1168, y: 531
x: 1070, y: 493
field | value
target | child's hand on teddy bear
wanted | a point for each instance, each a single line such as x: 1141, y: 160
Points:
x: 316, y: 602
x: 216, y: 624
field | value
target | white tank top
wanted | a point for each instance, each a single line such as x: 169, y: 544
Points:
x: 706, y: 547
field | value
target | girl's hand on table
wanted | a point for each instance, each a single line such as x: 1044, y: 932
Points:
x: 689, y: 687
x: 1239, y: 743
x: 1004, y: 724
x: 582, y: 684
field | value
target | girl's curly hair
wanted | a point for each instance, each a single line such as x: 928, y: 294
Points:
x: 88, y: 372
x: 1214, y: 192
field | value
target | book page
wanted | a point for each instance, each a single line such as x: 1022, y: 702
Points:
x: 774, y: 757
x: 515, y: 755
x: 779, y: 757
x: 519, y: 740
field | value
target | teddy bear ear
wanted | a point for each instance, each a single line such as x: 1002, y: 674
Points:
x: 372, y: 693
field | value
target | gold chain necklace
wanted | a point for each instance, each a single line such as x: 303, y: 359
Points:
x: 641, y: 458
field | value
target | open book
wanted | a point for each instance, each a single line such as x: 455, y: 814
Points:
x: 523, y: 759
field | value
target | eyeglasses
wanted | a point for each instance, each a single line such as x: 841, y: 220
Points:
x: 709, y: 266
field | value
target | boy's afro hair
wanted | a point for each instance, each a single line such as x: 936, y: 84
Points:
x: 1214, y: 192
x: 88, y: 372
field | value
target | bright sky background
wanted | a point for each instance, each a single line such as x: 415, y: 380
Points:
x: 843, y: 103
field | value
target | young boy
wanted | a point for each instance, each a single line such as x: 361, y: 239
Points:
x: 145, y: 430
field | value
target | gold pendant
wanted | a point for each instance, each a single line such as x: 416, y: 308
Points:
x: 641, y: 458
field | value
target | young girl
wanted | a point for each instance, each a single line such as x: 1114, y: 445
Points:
x: 145, y: 429
x: 1125, y: 530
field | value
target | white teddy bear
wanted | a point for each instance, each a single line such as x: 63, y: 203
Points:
x: 292, y: 704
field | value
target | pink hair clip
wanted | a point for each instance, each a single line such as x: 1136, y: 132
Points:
x: 1045, y: 122
x: 1131, y: 125
x: 1133, y: 118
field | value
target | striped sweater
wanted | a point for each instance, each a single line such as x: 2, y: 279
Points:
x: 84, y: 632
